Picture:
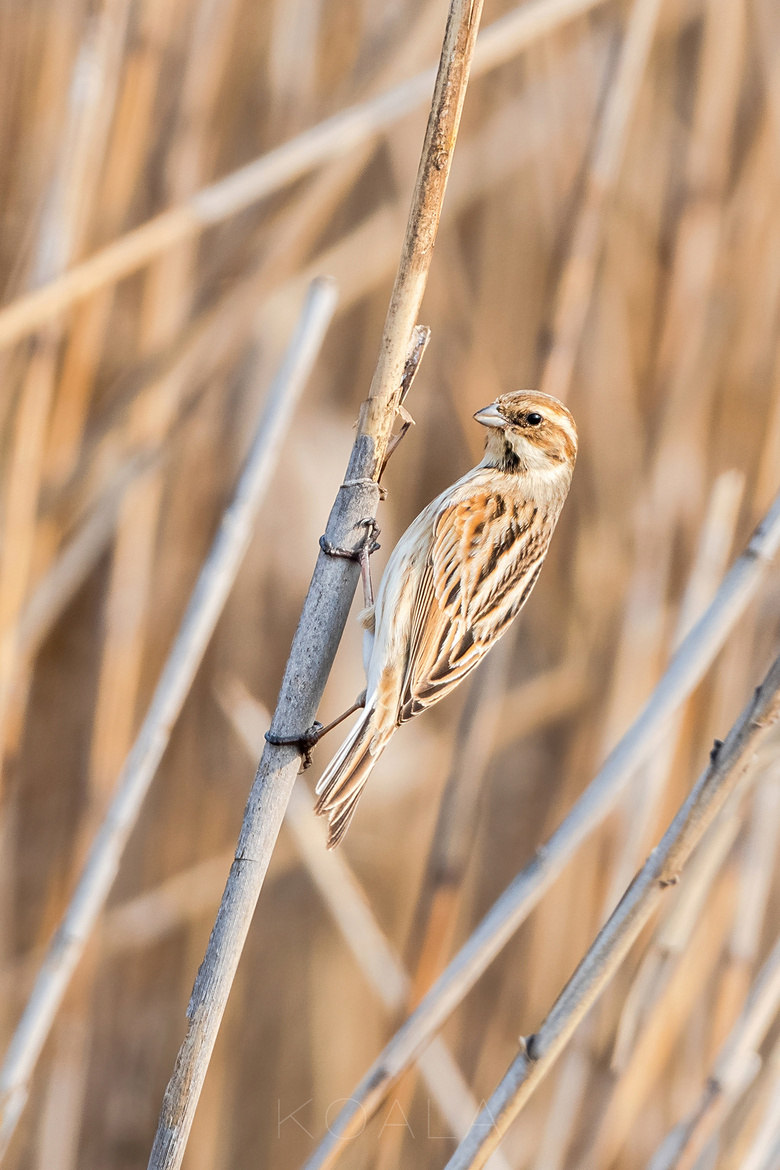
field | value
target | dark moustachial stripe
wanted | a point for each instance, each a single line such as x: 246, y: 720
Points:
x: 510, y: 461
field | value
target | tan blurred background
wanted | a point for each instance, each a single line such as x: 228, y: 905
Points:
x: 130, y: 413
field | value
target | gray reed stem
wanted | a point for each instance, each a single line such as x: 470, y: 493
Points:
x: 206, y: 604
x: 327, y: 603
x: 727, y: 769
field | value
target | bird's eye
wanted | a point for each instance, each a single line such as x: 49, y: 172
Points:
x: 533, y: 419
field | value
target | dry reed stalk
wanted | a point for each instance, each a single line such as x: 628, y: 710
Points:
x: 755, y: 871
x: 70, y: 196
x: 233, y: 322
x: 210, y: 594
x: 127, y: 606
x: 143, y: 920
x: 292, y: 61
x: 254, y: 182
x: 146, y: 918
x: 645, y: 620
x: 127, y: 155
x: 124, y: 453
x: 448, y: 856
x: 729, y: 764
x: 640, y: 811
x: 737, y: 969
x: 728, y: 1077
x: 20, y: 511
x: 439, y: 899
x: 168, y: 293
x: 564, y: 1113
x: 507, y: 245
x: 165, y: 306
x: 325, y: 609
x: 58, y: 1133
x: 763, y: 15
x: 757, y: 858
x: 347, y: 903
x: 680, y: 375
x: 575, y: 288
x: 57, y: 587
x: 687, y: 667
x: 759, y: 1147
x: 166, y: 303
x: 161, y: 400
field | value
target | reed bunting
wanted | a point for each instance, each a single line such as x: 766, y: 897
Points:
x: 456, y: 579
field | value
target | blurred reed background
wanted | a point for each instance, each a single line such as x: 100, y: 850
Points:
x: 650, y: 250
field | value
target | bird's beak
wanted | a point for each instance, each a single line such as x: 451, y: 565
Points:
x: 490, y: 416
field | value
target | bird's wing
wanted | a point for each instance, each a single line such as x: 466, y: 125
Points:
x: 485, y: 556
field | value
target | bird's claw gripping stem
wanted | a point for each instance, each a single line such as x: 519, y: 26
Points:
x: 312, y: 736
x: 304, y: 742
x: 361, y: 555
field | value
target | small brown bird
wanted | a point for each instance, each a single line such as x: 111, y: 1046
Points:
x: 459, y: 574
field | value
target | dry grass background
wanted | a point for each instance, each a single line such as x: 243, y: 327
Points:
x: 124, y: 422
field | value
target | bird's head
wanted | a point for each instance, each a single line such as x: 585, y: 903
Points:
x: 529, y: 432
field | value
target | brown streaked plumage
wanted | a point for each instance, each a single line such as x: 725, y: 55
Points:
x: 456, y: 579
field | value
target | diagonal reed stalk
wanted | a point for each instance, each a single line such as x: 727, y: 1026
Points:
x: 729, y: 765
x: 330, y: 593
x: 207, y: 602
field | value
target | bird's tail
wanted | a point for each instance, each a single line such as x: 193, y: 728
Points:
x: 342, y: 782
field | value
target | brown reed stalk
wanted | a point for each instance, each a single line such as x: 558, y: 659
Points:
x: 687, y: 387
x: 144, y: 70
x: 727, y: 1078
x: 575, y: 288
x: 69, y: 199
x: 757, y: 1145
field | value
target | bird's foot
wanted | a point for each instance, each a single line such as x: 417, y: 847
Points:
x: 304, y: 742
x: 362, y: 555
x: 368, y: 546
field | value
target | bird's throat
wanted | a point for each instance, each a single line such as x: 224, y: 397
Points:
x: 499, y: 453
